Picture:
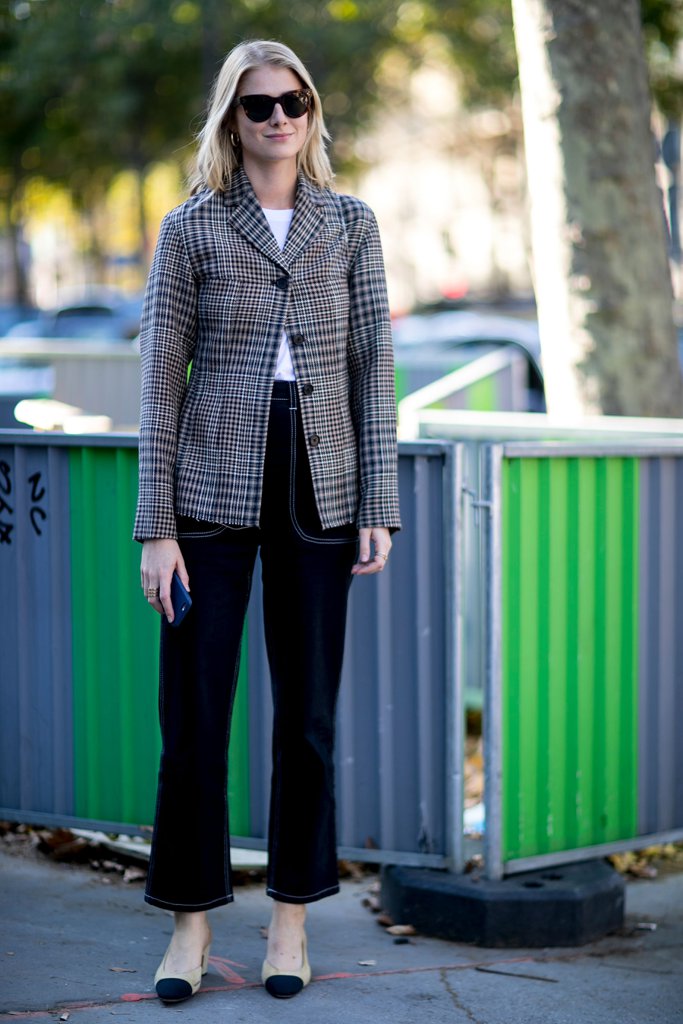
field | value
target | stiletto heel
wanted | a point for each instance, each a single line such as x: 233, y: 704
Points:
x: 285, y: 984
x: 174, y: 986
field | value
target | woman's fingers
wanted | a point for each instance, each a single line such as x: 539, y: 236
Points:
x: 159, y: 560
x: 372, y: 561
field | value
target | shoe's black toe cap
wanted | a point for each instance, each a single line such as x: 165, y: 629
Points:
x: 284, y: 986
x: 173, y: 990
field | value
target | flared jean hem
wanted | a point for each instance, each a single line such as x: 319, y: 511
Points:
x: 188, y: 907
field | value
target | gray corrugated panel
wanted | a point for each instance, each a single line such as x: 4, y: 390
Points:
x: 390, y: 765
x: 660, y: 796
x: 35, y: 689
x: 260, y: 712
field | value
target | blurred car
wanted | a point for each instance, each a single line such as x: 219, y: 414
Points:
x: 429, y: 345
x: 97, y: 316
x: 14, y: 313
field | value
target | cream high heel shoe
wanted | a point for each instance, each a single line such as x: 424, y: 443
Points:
x: 173, y: 987
x: 285, y: 984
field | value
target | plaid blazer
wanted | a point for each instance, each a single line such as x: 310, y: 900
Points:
x: 219, y: 294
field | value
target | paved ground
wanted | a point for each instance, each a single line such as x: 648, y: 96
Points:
x: 76, y: 947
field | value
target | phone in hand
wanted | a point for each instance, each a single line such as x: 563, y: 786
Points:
x: 180, y: 599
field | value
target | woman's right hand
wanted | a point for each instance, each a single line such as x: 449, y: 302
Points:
x: 160, y: 558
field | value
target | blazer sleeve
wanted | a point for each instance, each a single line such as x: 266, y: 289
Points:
x: 167, y: 341
x: 371, y: 373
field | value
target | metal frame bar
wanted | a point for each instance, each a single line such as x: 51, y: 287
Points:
x: 422, y: 860
x: 58, y: 439
x: 455, y: 731
x: 461, y: 424
x: 618, y: 449
x: 514, y: 867
x: 493, y: 718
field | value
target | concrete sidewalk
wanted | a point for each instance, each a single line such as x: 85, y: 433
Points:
x: 72, y: 944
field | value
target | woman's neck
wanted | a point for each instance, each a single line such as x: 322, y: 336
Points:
x: 274, y: 184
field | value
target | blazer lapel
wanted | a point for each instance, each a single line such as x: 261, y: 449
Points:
x: 249, y: 219
x: 307, y: 220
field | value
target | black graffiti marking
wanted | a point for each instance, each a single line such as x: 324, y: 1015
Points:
x: 4, y: 507
x: 36, y: 511
x: 5, y: 479
x: 37, y: 494
x: 34, y: 480
x: 5, y: 531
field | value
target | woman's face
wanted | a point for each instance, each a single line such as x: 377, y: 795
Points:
x: 280, y: 137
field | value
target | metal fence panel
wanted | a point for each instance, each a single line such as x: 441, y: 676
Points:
x: 391, y: 732
x: 584, y: 614
x: 36, y: 721
x: 570, y: 628
x: 79, y: 737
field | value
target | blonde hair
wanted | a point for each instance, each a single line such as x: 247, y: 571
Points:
x: 218, y: 157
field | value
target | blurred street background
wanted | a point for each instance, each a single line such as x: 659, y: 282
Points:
x: 528, y: 274
x: 100, y: 100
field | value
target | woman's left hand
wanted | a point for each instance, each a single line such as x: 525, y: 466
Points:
x: 369, y: 562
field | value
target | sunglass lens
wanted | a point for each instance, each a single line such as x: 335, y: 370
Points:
x: 295, y: 104
x: 258, y: 108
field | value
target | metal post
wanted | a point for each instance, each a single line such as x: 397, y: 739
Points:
x: 455, y: 730
x: 493, y: 737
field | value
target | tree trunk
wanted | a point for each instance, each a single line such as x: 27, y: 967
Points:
x: 17, y: 248
x: 602, y: 278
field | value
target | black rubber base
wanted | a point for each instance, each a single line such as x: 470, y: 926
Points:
x: 561, y: 906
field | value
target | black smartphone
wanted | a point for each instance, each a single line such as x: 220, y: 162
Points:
x: 180, y: 599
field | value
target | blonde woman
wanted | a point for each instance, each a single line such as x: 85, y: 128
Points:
x: 282, y: 443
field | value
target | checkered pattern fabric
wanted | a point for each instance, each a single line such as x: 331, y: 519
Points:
x: 220, y: 293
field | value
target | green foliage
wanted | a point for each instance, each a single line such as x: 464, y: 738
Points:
x: 481, y: 42
x: 89, y: 87
x: 663, y: 29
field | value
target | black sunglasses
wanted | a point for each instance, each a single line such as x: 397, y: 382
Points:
x: 259, y: 108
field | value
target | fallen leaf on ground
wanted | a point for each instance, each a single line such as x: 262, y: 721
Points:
x: 123, y: 970
x: 385, y: 919
x: 642, y: 870
x: 401, y: 929
x: 134, y: 875
x: 372, y: 903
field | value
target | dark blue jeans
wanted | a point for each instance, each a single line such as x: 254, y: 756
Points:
x: 306, y: 576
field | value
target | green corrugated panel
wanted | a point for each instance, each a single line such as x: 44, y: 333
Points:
x: 115, y: 653
x: 570, y: 659
x: 400, y: 383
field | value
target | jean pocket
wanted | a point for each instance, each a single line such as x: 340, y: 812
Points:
x: 187, y: 527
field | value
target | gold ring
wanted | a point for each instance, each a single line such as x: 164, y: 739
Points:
x: 152, y: 591
x: 382, y: 555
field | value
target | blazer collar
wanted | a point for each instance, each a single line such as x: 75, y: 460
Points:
x: 248, y: 217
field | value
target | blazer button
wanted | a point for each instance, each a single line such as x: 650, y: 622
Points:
x: 298, y: 339
x: 307, y: 389
x: 314, y: 440
x: 282, y: 283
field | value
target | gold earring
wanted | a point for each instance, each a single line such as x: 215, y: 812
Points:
x: 235, y: 139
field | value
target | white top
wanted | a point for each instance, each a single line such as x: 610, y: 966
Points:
x: 279, y: 221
